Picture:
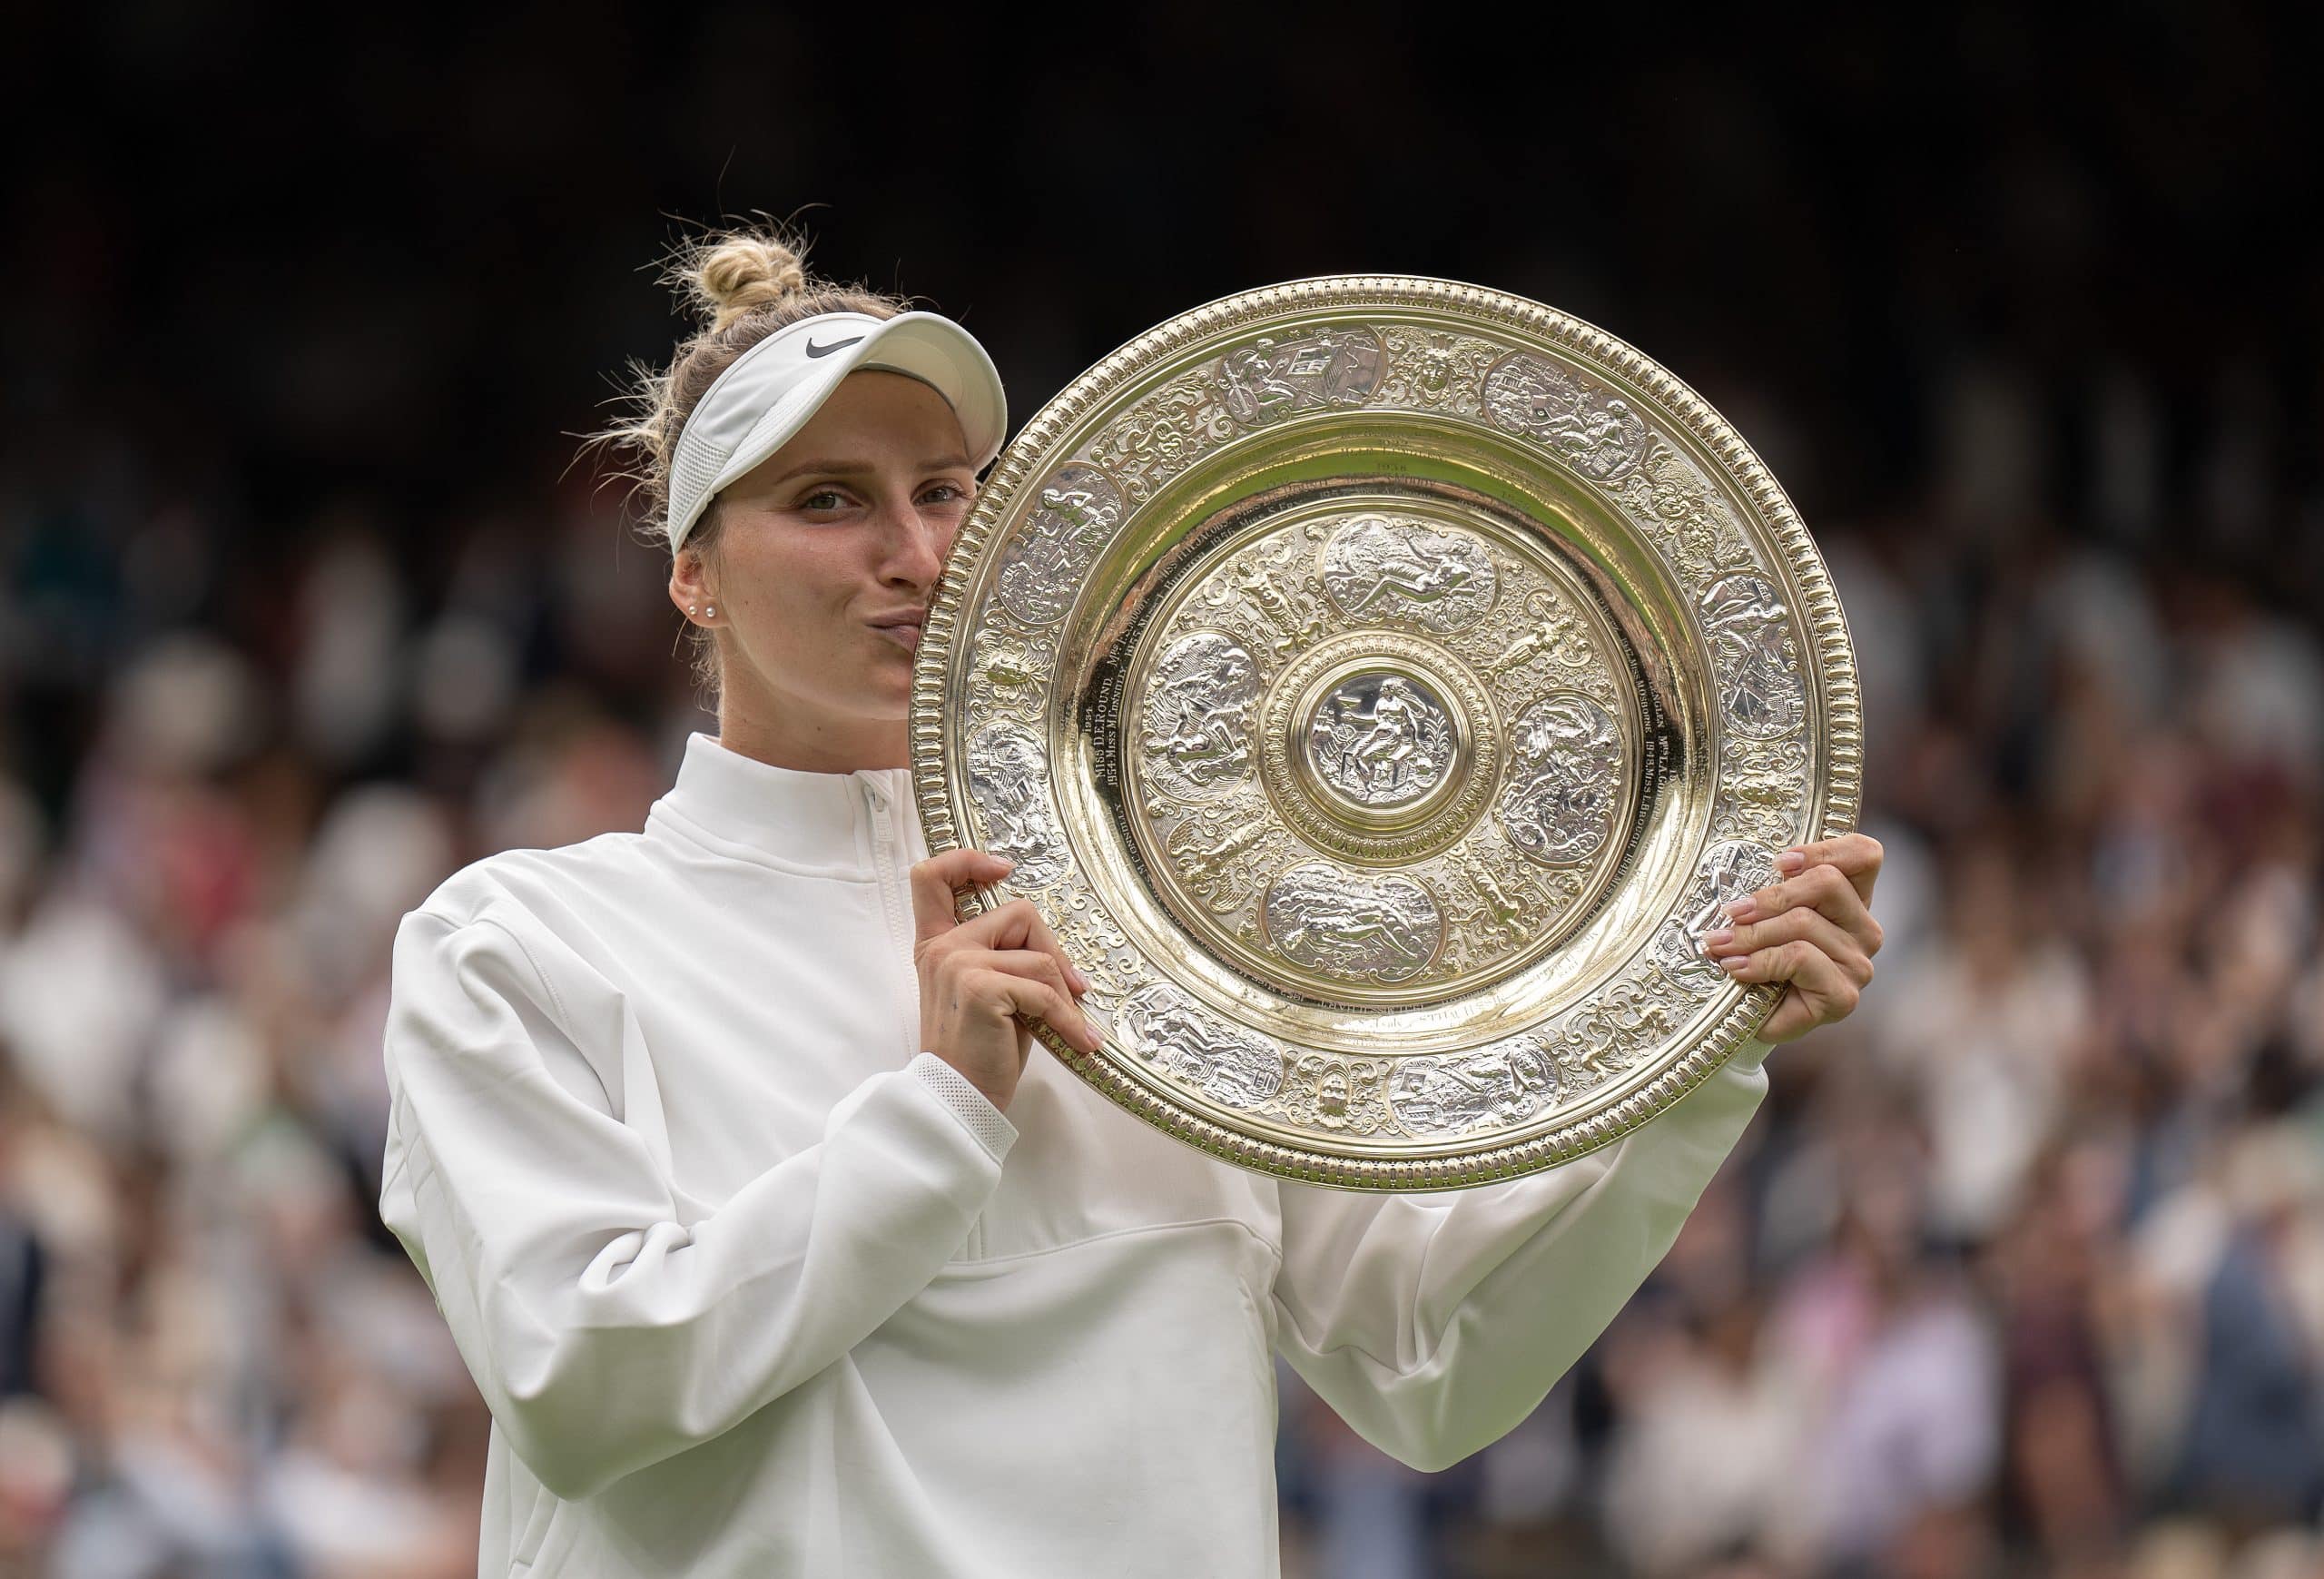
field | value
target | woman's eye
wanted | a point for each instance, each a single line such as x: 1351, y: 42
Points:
x: 822, y: 498
x: 947, y: 492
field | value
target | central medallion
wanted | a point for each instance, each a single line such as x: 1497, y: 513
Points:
x: 1380, y: 748
x: 1380, y: 741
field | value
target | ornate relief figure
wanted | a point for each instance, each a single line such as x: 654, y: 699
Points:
x: 1340, y: 923
x: 1270, y: 379
x: 1491, y: 1087
x: 1566, y: 771
x: 1590, y: 428
x: 1384, y: 568
x: 1008, y: 775
x: 1383, y: 740
x: 1169, y: 1030
x: 1046, y: 563
x: 1197, y: 733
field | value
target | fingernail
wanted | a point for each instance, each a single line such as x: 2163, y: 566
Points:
x: 1734, y: 961
x: 1791, y: 860
x: 1723, y: 936
x: 1742, y: 909
x: 1080, y: 982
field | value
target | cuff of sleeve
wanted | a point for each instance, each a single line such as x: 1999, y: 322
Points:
x: 991, y: 1128
x: 1750, y: 1053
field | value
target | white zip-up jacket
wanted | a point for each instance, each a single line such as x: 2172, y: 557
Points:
x: 753, y: 1286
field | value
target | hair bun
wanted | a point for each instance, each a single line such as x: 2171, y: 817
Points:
x: 735, y: 275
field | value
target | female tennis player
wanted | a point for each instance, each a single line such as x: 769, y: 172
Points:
x: 719, y: 1144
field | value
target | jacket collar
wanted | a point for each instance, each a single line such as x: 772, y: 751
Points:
x: 816, y: 823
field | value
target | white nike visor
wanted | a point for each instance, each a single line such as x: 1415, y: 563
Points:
x: 770, y: 391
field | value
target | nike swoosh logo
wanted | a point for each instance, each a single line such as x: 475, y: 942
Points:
x: 814, y: 349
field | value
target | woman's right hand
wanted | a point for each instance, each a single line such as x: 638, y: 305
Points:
x: 981, y: 979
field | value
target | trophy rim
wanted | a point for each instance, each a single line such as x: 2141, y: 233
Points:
x: 1834, y: 793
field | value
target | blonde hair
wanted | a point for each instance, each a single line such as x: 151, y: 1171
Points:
x: 741, y: 286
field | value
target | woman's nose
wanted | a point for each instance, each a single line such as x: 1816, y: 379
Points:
x: 916, y: 544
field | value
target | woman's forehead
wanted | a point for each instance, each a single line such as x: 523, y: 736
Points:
x: 874, y: 420
x: 873, y: 403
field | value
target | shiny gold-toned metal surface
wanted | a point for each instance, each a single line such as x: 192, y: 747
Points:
x: 1379, y: 683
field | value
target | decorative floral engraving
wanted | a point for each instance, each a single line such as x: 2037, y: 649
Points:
x: 1551, y: 634
x: 1763, y: 791
x: 1269, y: 589
x: 1488, y: 1087
x: 1094, y: 941
x: 1198, y: 706
x: 1753, y: 655
x: 1008, y: 775
x: 1625, y: 1022
x: 1381, y: 738
x: 1565, y: 777
x: 1010, y: 669
x: 1433, y: 371
x: 1339, y: 923
x: 1223, y: 853
x: 1042, y: 569
x: 1165, y: 1027
x: 1163, y: 434
x: 1684, y: 516
x: 1586, y: 425
x: 1270, y: 379
x: 1383, y: 568
x: 1336, y: 1095
x: 1495, y: 908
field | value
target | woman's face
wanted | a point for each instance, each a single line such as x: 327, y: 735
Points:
x: 826, y: 554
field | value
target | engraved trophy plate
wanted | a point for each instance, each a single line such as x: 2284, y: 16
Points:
x: 1379, y: 683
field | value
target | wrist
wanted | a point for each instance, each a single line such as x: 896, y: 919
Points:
x: 999, y: 1100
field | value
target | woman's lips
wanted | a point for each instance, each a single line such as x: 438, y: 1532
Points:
x: 906, y: 636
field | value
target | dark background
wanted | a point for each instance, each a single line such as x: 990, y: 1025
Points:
x: 407, y: 265
x: 308, y: 600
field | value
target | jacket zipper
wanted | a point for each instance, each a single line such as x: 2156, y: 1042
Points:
x: 883, y: 865
x: 900, y: 931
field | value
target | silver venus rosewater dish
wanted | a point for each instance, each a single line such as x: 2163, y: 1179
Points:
x: 1379, y: 683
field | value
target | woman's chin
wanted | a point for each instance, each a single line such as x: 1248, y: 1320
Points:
x: 891, y: 700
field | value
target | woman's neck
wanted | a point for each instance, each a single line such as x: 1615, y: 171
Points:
x: 786, y: 740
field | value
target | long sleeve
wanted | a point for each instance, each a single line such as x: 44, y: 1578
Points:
x: 1435, y: 1323
x: 608, y: 1322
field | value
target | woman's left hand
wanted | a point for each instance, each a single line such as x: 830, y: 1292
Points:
x: 1813, y: 931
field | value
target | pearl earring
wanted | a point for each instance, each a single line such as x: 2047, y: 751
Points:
x: 711, y: 613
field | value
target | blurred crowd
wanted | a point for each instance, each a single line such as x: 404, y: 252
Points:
x: 2019, y: 1272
